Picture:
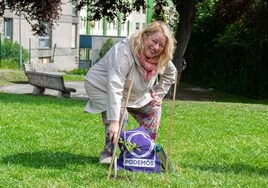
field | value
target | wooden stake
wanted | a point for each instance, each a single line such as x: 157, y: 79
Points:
x: 170, y: 124
x: 120, y: 129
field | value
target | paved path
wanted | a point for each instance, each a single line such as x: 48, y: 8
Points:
x: 184, y: 93
x: 24, y: 88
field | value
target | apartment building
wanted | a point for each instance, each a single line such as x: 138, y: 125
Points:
x: 75, y: 42
x: 134, y: 22
x: 59, y: 49
x: 93, y: 34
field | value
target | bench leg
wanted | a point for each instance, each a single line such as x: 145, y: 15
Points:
x: 38, y: 90
x: 64, y: 94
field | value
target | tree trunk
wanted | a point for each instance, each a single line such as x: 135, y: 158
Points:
x: 187, y: 12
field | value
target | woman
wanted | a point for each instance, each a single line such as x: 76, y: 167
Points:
x: 146, y: 57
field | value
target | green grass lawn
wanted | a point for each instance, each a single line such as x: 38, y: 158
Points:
x: 49, y: 142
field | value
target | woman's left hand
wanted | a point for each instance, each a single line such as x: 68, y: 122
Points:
x: 157, y: 101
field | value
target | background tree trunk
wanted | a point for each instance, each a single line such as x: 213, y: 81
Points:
x: 187, y: 11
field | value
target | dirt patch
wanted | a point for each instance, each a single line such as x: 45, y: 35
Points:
x: 189, y: 92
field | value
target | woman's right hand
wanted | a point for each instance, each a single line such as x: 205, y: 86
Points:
x: 113, y: 131
x: 156, y: 100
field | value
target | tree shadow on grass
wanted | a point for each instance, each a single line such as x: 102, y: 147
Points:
x: 48, y: 159
x: 236, y: 168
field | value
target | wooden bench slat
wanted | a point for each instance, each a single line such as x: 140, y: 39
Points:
x: 51, y: 81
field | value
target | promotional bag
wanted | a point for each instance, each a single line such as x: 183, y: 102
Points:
x: 138, y: 152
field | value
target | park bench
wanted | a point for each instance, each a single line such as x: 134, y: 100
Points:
x: 42, y: 80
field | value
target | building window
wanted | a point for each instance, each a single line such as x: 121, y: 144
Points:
x: 137, y: 26
x: 6, y: 1
x: 123, y: 26
x: 115, y: 25
x: 143, y: 25
x: 83, y: 22
x: 8, y: 31
x: 99, y: 24
x: 143, y: 11
x: 74, y: 36
x: 74, y: 10
x: 44, y: 59
x: 45, y: 41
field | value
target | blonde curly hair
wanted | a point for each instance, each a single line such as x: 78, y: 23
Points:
x: 136, y: 41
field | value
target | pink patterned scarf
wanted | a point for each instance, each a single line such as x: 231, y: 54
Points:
x: 149, y: 66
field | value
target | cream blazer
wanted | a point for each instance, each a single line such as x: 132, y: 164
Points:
x: 108, y: 81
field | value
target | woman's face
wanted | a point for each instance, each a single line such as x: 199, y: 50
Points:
x: 154, y: 44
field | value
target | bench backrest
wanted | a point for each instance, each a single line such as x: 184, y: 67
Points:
x: 50, y: 81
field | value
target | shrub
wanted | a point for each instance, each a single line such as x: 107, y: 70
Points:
x: 105, y: 48
x: 78, y: 71
x: 10, y: 54
x: 229, y: 58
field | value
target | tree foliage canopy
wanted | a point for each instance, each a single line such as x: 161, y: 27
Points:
x: 110, y: 9
x: 228, y: 48
x: 36, y: 12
